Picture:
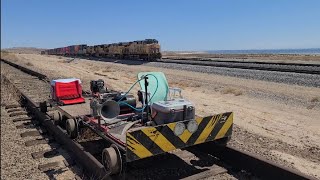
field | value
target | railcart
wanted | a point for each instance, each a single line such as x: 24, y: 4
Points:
x: 159, y: 120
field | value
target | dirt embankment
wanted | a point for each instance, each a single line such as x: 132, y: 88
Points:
x: 275, y: 128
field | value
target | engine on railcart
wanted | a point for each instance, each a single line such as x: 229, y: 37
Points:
x: 108, y: 104
x: 97, y: 87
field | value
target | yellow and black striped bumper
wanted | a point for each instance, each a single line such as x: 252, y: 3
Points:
x: 150, y: 141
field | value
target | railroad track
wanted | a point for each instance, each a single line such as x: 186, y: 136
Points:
x: 266, y: 66
x: 307, y: 68
x: 53, y: 160
x: 34, y: 89
x: 198, y: 162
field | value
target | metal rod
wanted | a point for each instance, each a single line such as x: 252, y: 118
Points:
x: 184, y: 112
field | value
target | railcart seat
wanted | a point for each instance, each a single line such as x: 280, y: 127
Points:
x: 69, y: 93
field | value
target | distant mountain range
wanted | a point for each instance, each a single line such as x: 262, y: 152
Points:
x: 268, y: 51
x: 251, y: 51
x: 24, y: 50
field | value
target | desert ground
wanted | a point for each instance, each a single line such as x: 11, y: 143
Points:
x: 285, y: 130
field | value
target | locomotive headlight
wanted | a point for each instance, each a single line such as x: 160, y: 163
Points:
x: 179, y: 128
x: 192, y: 126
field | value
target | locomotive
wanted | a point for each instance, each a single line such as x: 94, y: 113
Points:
x: 148, y: 50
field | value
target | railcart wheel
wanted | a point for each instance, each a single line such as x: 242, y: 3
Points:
x: 111, y: 159
x: 223, y: 141
x: 43, y: 106
x: 71, y: 128
x: 57, y: 117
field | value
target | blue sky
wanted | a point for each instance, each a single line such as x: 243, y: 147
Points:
x: 178, y: 25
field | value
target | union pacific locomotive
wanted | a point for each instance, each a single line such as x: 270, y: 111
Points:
x: 148, y: 50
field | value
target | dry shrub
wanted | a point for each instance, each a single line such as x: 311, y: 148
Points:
x: 108, y: 69
x: 179, y: 84
x: 29, y: 64
x: 99, y: 74
x: 311, y: 106
x: 105, y: 75
x: 233, y: 91
x: 195, y: 85
x: 4, y: 53
x: 8, y: 92
x: 315, y: 99
x: 113, y: 78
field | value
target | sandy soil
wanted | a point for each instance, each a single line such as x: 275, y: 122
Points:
x: 280, y: 130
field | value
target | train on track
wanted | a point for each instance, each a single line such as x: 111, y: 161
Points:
x: 148, y: 50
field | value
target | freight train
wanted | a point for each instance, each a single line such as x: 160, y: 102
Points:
x: 148, y: 50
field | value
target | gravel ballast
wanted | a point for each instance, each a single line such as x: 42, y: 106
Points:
x: 16, y: 157
x: 311, y: 80
x: 289, y: 67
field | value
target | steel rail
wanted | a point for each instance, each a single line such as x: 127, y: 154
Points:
x: 28, y: 71
x: 257, y: 165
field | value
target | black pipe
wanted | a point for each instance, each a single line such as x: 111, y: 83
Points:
x: 146, y: 95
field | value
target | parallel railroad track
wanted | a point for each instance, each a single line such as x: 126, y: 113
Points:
x: 266, y: 66
x: 197, y: 162
x: 245, y: 62
x: 306, y: 68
